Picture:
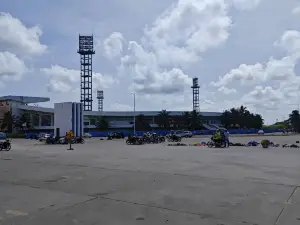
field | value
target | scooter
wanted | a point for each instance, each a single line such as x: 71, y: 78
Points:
x: 6, y: 145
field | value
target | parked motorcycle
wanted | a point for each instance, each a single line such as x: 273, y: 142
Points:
x: 6, y: 145
x: 80, y: 140
x: 216, y: 144
x: 134, y: 140
x: 173, y: 138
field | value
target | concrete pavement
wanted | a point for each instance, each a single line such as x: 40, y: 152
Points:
x: 109, y: 182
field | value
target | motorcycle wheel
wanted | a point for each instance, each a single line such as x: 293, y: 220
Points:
x: 8, y: 148
x: 82, y: 141
x: 210, y: 144
x: 179, y: 139
x: 128, y: 142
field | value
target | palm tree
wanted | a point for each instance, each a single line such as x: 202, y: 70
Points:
x: 163, y: 119
x: 24, y: 121
x: 294, y: 119
x: 102, y: 123
x: 8, y: 122
x: 196, y: 122
x: 226, y: 119
x: 141, y: 123
x: 186, y: 116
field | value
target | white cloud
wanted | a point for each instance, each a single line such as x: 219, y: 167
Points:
x: 174, y: 41
x: 11, y: 67
x: 65, y: 80
x: 187, y: 29
x: 264, y: 97
x: 119, y: 107
x: 18, y: 38
x: 290, y: 41
x: 296, y: 11
x: 227, y: 91
x: 274, y: 70
x: 113, y: 45
x: 245, y: 4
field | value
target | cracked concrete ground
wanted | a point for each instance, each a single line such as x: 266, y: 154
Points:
x: 109, y: 182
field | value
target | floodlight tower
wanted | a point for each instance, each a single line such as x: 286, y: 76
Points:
x: 196, y: 88
x: 100, y: 98
x: 86, y: 52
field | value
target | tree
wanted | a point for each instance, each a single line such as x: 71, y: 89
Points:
x: 102, y: 124
x: 186, y: 117
x: 24, y: 121
x: 241, y: 118
x: 196, y: 122
x: 163, y: 119
x: 8, y: 122
x: 141, y: 123
x: 294, y: 119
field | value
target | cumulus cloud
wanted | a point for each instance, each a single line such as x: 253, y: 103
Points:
x: 226, y: 90
x: 113, y: 45
x: 296, y: 11
x: 174, y: 41
x: 11, y: 67
x: 64, y: 80
x: 273, y: 70
x: 17, y: 38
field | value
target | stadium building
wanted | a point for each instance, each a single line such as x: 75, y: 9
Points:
x: 42, y: 118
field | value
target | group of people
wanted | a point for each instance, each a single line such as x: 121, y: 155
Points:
x: 221, y: 136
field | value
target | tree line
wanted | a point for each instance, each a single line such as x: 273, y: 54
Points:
x: 241, y: 118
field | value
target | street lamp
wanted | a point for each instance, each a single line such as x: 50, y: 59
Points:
x: 133, y: 112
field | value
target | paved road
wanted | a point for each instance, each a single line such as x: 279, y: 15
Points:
x: 108, y: 182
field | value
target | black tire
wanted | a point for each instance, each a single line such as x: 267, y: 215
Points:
x: 179, y: 139
x: 210, y: 144
x: 8, y: 147
x: 82, y: 141
x: 128, y: 142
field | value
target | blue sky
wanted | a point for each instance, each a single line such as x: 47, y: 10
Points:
x: 242, y: 51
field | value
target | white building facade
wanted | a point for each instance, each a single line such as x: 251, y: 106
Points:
x: 68, y: 116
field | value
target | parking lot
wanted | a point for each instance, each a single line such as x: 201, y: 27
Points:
x: 109, y: 182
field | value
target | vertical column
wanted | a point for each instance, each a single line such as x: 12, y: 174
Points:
x: 40, y: 119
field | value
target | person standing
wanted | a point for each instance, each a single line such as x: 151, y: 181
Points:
x: 226, y: 134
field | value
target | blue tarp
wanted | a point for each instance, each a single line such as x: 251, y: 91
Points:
x: 164, y: 132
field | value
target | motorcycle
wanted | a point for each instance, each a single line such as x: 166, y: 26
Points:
x: 134, y: 140
x: 216, y: 144
x: 173, y: 138
x: 80, y: 140
x: 161, y: 139
x: 6, y: 145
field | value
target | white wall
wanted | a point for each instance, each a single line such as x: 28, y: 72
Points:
x: 68, y: 116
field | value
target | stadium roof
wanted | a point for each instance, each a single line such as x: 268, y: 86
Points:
x: 24, y: 99
x: 117, y: 113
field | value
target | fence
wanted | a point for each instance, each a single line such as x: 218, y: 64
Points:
x: 164, y: 132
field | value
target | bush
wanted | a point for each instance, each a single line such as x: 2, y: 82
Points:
x: 265, y: 143
x: 16, y: 135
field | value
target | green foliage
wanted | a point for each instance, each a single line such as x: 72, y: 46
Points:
x: 241, y: 118
x: 163, y: 119
x: 188, y: 120
x: 141, y: 123
x: 24, y: 121
x: 8, y: 122
x: 102, y: 124
x: 294, y: 120
x: 265, y: 143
